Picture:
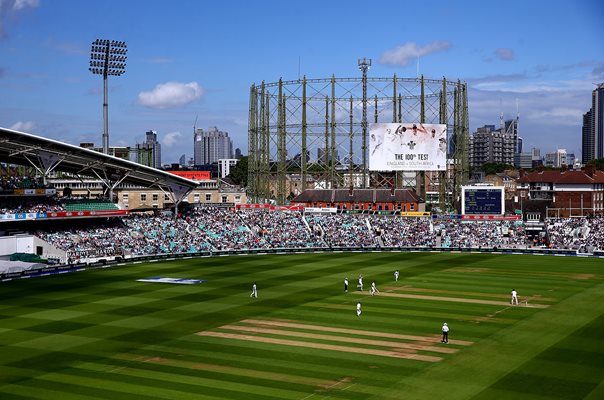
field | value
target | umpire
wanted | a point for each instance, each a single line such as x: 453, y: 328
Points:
x: 445, y: 334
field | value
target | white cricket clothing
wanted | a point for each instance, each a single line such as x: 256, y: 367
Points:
x: 445, y: 328
x: 358, y: 309
x: 254, y: 292
x: 396, y: 276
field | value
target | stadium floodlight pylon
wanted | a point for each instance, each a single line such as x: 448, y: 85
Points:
x: 107, y: 57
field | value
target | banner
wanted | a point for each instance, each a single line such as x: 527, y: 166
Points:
x: 407, y: 147
x: 294, y: 207
x: 97, y: 213
x: 491, y: 218
x: 415, y: 214
x: 22, y: 216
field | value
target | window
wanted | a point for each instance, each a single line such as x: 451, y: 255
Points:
x: 411, y: 207
x: 143, y: 196
x: 155, y: 197
x: 224, y: 199
x: 208, y: 197
x: 196, y: 198
x: 166, y: 197
x: 237, y: 199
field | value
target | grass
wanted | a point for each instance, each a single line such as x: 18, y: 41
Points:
x: 101, y: 334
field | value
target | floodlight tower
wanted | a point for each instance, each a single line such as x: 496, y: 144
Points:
x: 364, y: 65
x: 107, y: 57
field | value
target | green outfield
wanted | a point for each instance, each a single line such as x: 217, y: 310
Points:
x: 101, y: 334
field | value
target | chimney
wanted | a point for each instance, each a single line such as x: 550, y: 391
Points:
x: 590, y: 170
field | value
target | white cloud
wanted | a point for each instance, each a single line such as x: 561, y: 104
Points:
x: 170, y: 95
x: 403, y: 55
x: 505, y: 54
x: 23, y: 126
x: 551, y: 114
x: 8, y: 8
x: 21, y: 4
x: 170, y: 139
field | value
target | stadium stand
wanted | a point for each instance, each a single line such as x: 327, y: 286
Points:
x: 218, y: 229
x: 88, y: 205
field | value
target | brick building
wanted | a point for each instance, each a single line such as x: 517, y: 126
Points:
x: 564, y: 193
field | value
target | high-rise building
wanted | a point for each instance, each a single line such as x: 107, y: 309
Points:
x: 587, y: 139
x: 182, y: 160
x: 322, y: 155
x: 536, y: 157
x: 211, y: 146
x: 224, y: 166
x: 490, y: 145
x: 149, y: 152
x: 238, y: 154
x: 592, y: 134
x: 597, y: 118
x: 558, y: 159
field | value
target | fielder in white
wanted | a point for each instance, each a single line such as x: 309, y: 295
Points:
x: 396, y: 275
x: 445, y: 330
x: 373, y: 289
x: 514, y: 299
x: 359, y: 309
x: 346, y: 285
x: 254, y: 291
x: 360, y: 285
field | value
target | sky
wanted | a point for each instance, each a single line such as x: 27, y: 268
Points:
x: 193, y: 60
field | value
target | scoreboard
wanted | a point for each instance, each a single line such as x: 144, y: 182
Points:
x: 482, y: 200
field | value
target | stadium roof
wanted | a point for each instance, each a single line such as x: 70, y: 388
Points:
x: 46, y: 154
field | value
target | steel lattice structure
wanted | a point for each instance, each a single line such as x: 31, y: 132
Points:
x: 291, y: 120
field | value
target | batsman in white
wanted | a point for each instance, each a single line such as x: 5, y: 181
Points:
x: 514, y: 299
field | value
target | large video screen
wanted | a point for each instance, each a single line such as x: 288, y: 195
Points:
x: 407, y: 147
x: 482, y: 200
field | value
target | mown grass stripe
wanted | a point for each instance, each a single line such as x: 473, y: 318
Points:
x: 322, y: 346
x: 512, y: 347
x: 226, y: 369
x: 292, y: 324
x: 456, y: 299
x: 398, y: 346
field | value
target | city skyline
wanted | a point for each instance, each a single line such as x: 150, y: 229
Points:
x: 190, y: 61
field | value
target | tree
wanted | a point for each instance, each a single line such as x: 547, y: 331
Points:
x: 598, y: 162
x: 494, y: 168
x: 239, y: 172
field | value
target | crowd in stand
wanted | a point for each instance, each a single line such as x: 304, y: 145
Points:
x: 343, y: 230
x: 220, y: 229
x: 583, y: 234
x: 502, y: 234
x: 214, y: 229
x: 17, y: 205
x: 281, y: 229
x: 403, y: 232
x: 20, y: 182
